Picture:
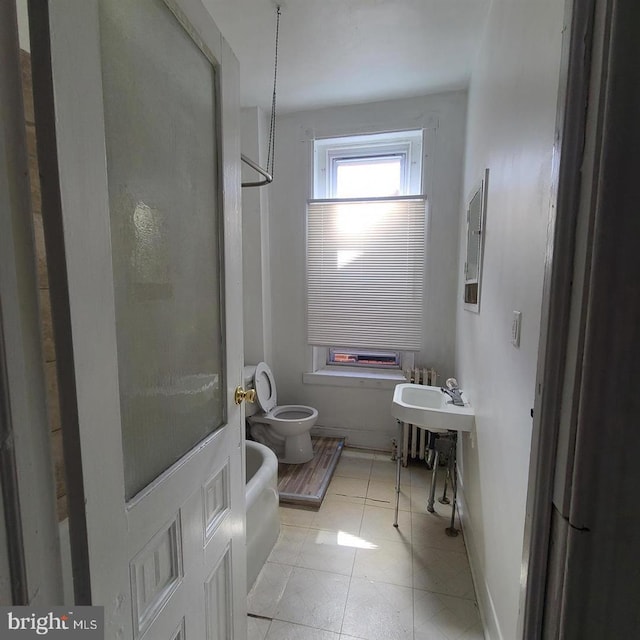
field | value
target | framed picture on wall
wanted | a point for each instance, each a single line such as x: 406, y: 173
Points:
x: 476, y: 215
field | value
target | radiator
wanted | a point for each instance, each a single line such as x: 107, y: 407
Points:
x: 414, y: 440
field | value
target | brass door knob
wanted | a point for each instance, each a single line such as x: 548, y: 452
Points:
x: 240, y: 394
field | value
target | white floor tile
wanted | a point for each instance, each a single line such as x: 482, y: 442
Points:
x: 389, y: 562
x: 314, y: 598
x: 288, y: 631
x: 378, y: 611
x: 452, y: 618
x: 358, y: 454
x: 353, y: 467
x: 296, y: 516
x: 350, y: 489
x: 419, y: 474
x: 429, y: 633
x: 327, y: 551
x: 377, y: 524
x: 288, y: 544
x: 474, y: 633
x: 344, y: 572
x: 384, y: 470
x: 383, y: 494
x: 418, y: 500
x: 442, y: 571
x: 429, y: 530
x: 257, y: 628
x: 265, y: 595
x: 338, y: 515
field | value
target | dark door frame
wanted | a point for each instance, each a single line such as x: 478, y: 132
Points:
x: 584, y: 468
x: 30, y: 538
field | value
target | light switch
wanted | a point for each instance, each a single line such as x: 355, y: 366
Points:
x: 515, y: 328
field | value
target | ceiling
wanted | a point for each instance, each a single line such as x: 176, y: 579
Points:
x: 336, y: 52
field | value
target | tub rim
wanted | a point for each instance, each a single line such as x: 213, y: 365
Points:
x: 262, y: 477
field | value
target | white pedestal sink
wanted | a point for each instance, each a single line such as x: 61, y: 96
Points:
x: 429, y: 408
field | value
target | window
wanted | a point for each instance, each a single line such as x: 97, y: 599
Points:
x: 366, y: 250
x: 368, y: 166
x: 366, y: 357
x: 370, y: 176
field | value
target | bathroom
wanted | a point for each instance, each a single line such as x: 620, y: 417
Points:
x: 504, y: 120
x: 465, y: 132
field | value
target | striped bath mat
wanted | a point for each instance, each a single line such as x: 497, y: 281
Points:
x: 306, y: 484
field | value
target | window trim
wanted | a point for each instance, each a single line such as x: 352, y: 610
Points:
x: 334, y: 163
x: 408, y: 144
x: 320, y: 373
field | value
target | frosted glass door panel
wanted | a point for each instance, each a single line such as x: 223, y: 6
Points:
x: 161, y: 134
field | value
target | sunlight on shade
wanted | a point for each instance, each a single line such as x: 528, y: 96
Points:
x: 347, y: 256
x: 360, y: 217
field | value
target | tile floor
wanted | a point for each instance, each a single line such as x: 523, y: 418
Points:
x: 343, y: 572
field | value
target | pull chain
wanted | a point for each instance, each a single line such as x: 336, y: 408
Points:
x: 271, y: 149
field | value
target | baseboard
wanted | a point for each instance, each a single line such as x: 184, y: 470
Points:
x: 358, y: 438
x: 488, y: 615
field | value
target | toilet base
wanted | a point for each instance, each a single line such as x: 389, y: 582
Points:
x: 298, y: 449
x: 290, y: 449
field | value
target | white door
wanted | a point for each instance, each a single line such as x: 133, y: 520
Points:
x: 146, y: 101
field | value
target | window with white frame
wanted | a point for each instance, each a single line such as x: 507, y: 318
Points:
x: 366, y: 250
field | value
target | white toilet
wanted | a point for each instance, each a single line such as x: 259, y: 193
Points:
x: 286, y: 429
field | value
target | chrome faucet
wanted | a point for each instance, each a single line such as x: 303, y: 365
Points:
x: 452, y: 389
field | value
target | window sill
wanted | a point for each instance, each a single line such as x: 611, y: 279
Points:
x: 364, y: 379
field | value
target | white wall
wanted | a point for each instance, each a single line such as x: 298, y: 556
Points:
x: 510, y: 129
x: 255, y: 241
x: 363, y: 414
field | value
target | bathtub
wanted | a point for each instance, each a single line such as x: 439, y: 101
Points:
x: 263, y: 518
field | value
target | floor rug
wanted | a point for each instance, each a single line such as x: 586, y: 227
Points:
x: 306, y: 484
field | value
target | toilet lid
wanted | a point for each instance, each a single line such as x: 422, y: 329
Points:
x: 265, y: 387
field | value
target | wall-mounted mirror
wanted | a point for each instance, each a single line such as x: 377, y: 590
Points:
x: 476, y: 212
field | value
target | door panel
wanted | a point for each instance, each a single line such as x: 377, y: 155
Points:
x: 149, y: 162
x: 159, y: 91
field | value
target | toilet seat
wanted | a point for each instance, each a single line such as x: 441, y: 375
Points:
x: 265, y: 386
x: 293, y: 412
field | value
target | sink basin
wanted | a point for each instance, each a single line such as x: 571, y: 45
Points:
x: 429, y: 407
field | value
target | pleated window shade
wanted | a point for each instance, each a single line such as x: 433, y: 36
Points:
x: 365, y: 272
